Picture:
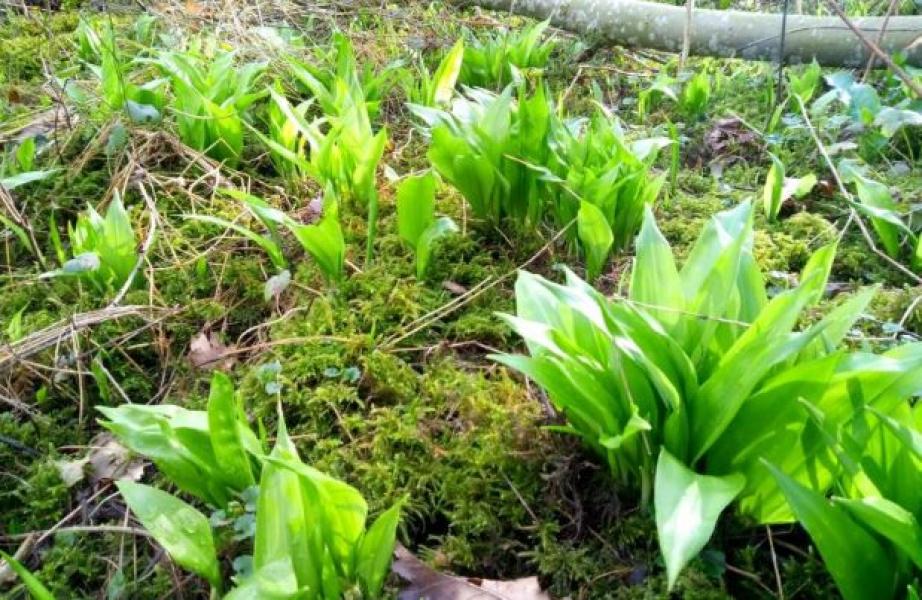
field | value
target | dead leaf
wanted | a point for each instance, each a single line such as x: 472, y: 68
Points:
x: 424, y: 582
x: 107, y: 461
x: 455, y: 288
x: 207, y: 351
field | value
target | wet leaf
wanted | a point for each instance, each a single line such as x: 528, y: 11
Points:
x: 425, y: 582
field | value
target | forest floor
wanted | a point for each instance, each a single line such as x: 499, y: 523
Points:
x: 384, y: 382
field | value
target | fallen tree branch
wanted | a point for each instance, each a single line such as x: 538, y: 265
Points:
x: 724, y: 33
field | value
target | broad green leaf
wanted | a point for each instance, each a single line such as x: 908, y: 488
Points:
x: 223, y: 425
x: 274, y: 581
x: 687, y: 506
x: 375, y: 551
x: 182, y: 530
x: 323, y: 240
x: 439, y: 228
x: 446, y: 75
x: 415, y: 207
x: 12, y: 182
x: 36, y: 588
x: 655, y: 279
x: 595, y: 236
x: 285, y: 531
x: 857, y: 562
x: 875, y: 199
x: 890, y: 520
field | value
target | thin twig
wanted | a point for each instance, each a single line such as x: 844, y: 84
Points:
x: 880, y: 38
x: 853, y: 214
x: 875, y: 50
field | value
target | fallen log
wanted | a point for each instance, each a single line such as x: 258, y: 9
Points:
x: 723, y: 33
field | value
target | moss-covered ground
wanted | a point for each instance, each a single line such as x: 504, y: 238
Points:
x: 379, y: 385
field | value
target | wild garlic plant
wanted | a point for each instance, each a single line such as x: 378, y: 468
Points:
x: 311, y: 539
x: 868, y: 533
x: 104, y: 250
x: 516, y: 161
x: 211, y: 95
x: 322, y: 240
x: 495, y: 60
x: 693, y: 382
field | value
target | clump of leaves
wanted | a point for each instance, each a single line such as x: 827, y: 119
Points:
x: 416, y: 220
x: 494, y: 60
x: 869, y: 533
x: 339, y: 150
x: 684, y: 386
x: 485, y: 147
x: 604, y: 181
x: 311, y: 539
x: 334, y: 71
x: 211, y: 94
x: 779, y: 188
x: 204, y: 453
x: 696, y: 94
x: 104, y: 250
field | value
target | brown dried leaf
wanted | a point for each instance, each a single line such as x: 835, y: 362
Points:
x: 107, y: 461
x: 424, y: 582
x: 207, y: 351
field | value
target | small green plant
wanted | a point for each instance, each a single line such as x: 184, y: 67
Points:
x: 696, y: 94
x: 104, y: 250
x: 687, y: 384
x: 322, y: 240
x: 487, y: 148
x: 211, y: 96
x: 664, y: 86
x: 778, y: 188
x: 416, y: 220
x: 597, y: 165
x: 436, y: 89
x: 143, y: 103
x: 805, y: 85
x: 311, y: 539
x: 340, y: 150
x: 494, y: 60
x: 334, y: 74
x: 204, y: 453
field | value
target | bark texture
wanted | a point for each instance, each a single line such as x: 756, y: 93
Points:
x: 725, y: 33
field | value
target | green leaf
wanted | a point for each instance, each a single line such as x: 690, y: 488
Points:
x: 182, y: 530
x: 415, y: 207
x: 376, y: 550
x: 875, y: 200
x: 771, y: 192
x: 36, y: 589
x: 595, y: 235
x: 687, y: 506
x: 14, y: 181
x: 441, y: 227
x: 323, y: 240
x: 855, y: 559
x: 223, y: 425
x: 890, y: 520
x: 268, y: 246
x: 655, y: 279
x: 446, y: 75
